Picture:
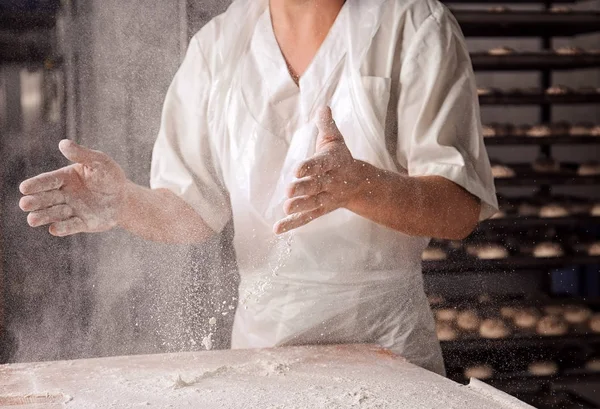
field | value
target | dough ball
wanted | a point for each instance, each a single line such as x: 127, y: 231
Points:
x: 568, y: 50
x: 489, y: 251
x: 508, y: 312
x: 446, y: 314
x: 543, y: 368
x: 593, y: 365
x: 576, y: 314
x: 501, y: 172
x: 560, y: 9
x: 498, y: 215
x: 526, y: 318
x: 590, y: 168
x: 539, y: 131
x: 581, y: 129
x: 594, y: 249
x: 594, y: 323
x: 481, y: 91
x: 445, y: 331
x: 488, y: 131
x: 553, y: 210
x: 501, y: 51
x: 554, y: 309
x: 434, y: 253
x: 558, y: 90
x: 548, y: 249
x: 483, y: 371
x: 493, y: 328
x: 528, y: 209
x: 552, y: 325
x: 595, y: 210
x: 468, y: 320
x: 435, y: 299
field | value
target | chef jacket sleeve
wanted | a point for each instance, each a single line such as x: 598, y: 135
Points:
x: 439, y: 128
x: 183, y: 159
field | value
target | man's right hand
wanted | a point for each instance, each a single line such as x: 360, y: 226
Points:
x: 87, y: 196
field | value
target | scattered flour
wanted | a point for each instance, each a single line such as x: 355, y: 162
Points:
x: 207, y: 341
x: 212, y: 321
x: 261, y: 286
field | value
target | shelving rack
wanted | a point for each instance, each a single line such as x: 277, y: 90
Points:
x: 543, y: 24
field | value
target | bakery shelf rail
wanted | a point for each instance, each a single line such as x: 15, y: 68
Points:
x: 539, y: 99
x: 521, y: 342
x: 534, y: 221
x: 533, y: 61
x: 469, y: 264
x: 527, y: 23
x: 545, y: 140
x: 525, y: 175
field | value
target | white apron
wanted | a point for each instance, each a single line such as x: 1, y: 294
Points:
x: 341, y: 278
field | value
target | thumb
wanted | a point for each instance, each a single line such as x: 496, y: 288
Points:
x: 79, y: 154
x: 328, y: 130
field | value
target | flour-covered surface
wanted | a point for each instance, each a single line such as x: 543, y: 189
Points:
x: 346, y: 376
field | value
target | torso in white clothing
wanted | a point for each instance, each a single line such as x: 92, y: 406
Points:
x: 398, y: 80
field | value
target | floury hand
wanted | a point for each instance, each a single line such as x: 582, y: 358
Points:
x: 83, y: 197
x: 327, y: 181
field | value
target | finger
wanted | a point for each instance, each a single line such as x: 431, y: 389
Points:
x: 67, y: 227
x: 297, y: 220
x: 41, y: 200
x: 307, y: 203
x: 326, y: 124
x: 49, y: 215
x: 316, y: 165
x: 311, y: 185
x: 43, y: 182
x: 79, y: 154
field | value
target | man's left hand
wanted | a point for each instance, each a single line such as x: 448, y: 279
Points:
x: 327, y: 181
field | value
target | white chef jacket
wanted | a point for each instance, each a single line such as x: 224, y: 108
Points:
x: 399, y: 81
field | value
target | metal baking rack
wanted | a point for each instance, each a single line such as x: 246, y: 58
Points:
x: 573, y: 347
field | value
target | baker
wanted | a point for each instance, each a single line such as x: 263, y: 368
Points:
x: 338, y: 136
